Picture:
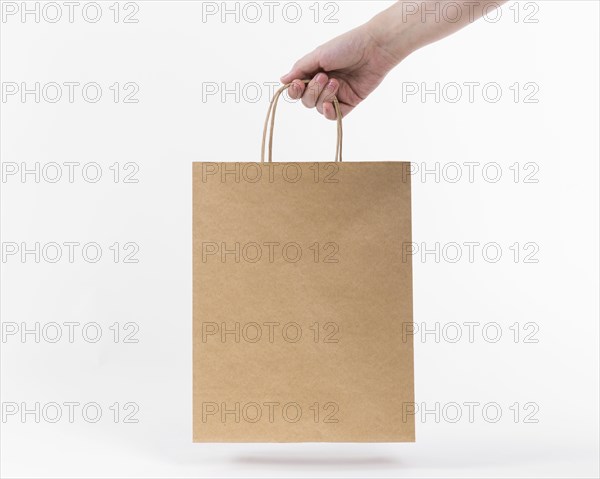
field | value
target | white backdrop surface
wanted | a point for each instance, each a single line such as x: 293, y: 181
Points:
x: 501, y: 123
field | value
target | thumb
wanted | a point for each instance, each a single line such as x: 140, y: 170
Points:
x: 305, y: 68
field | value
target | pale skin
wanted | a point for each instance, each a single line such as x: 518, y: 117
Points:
x: 353, y: 65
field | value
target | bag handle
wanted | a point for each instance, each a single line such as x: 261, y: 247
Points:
x: 271, y: 116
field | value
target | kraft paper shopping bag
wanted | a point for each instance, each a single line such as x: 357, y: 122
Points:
x: 302, y: 298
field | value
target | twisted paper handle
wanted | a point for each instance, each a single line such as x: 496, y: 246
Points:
x: 271, y: 116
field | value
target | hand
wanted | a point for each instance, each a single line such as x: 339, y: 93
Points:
x: 350, y: 67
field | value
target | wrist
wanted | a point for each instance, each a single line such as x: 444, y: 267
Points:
x: 390, y: 35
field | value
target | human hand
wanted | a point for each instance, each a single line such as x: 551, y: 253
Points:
x: 350, y: 67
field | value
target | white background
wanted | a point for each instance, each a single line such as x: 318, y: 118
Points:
x: 173, y: 56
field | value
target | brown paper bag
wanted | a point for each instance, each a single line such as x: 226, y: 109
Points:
x: 302, y: 301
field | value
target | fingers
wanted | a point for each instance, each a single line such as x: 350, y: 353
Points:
x: 296, y: 89
x: 328, y: 94
x: 319, y: 94
x: 329, y: 111
x: 314, y: 90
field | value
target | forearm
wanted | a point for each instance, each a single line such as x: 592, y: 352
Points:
x: 409, y: 25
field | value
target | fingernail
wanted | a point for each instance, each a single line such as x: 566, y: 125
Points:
x: 330, y: 85
x: 321, y: 78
